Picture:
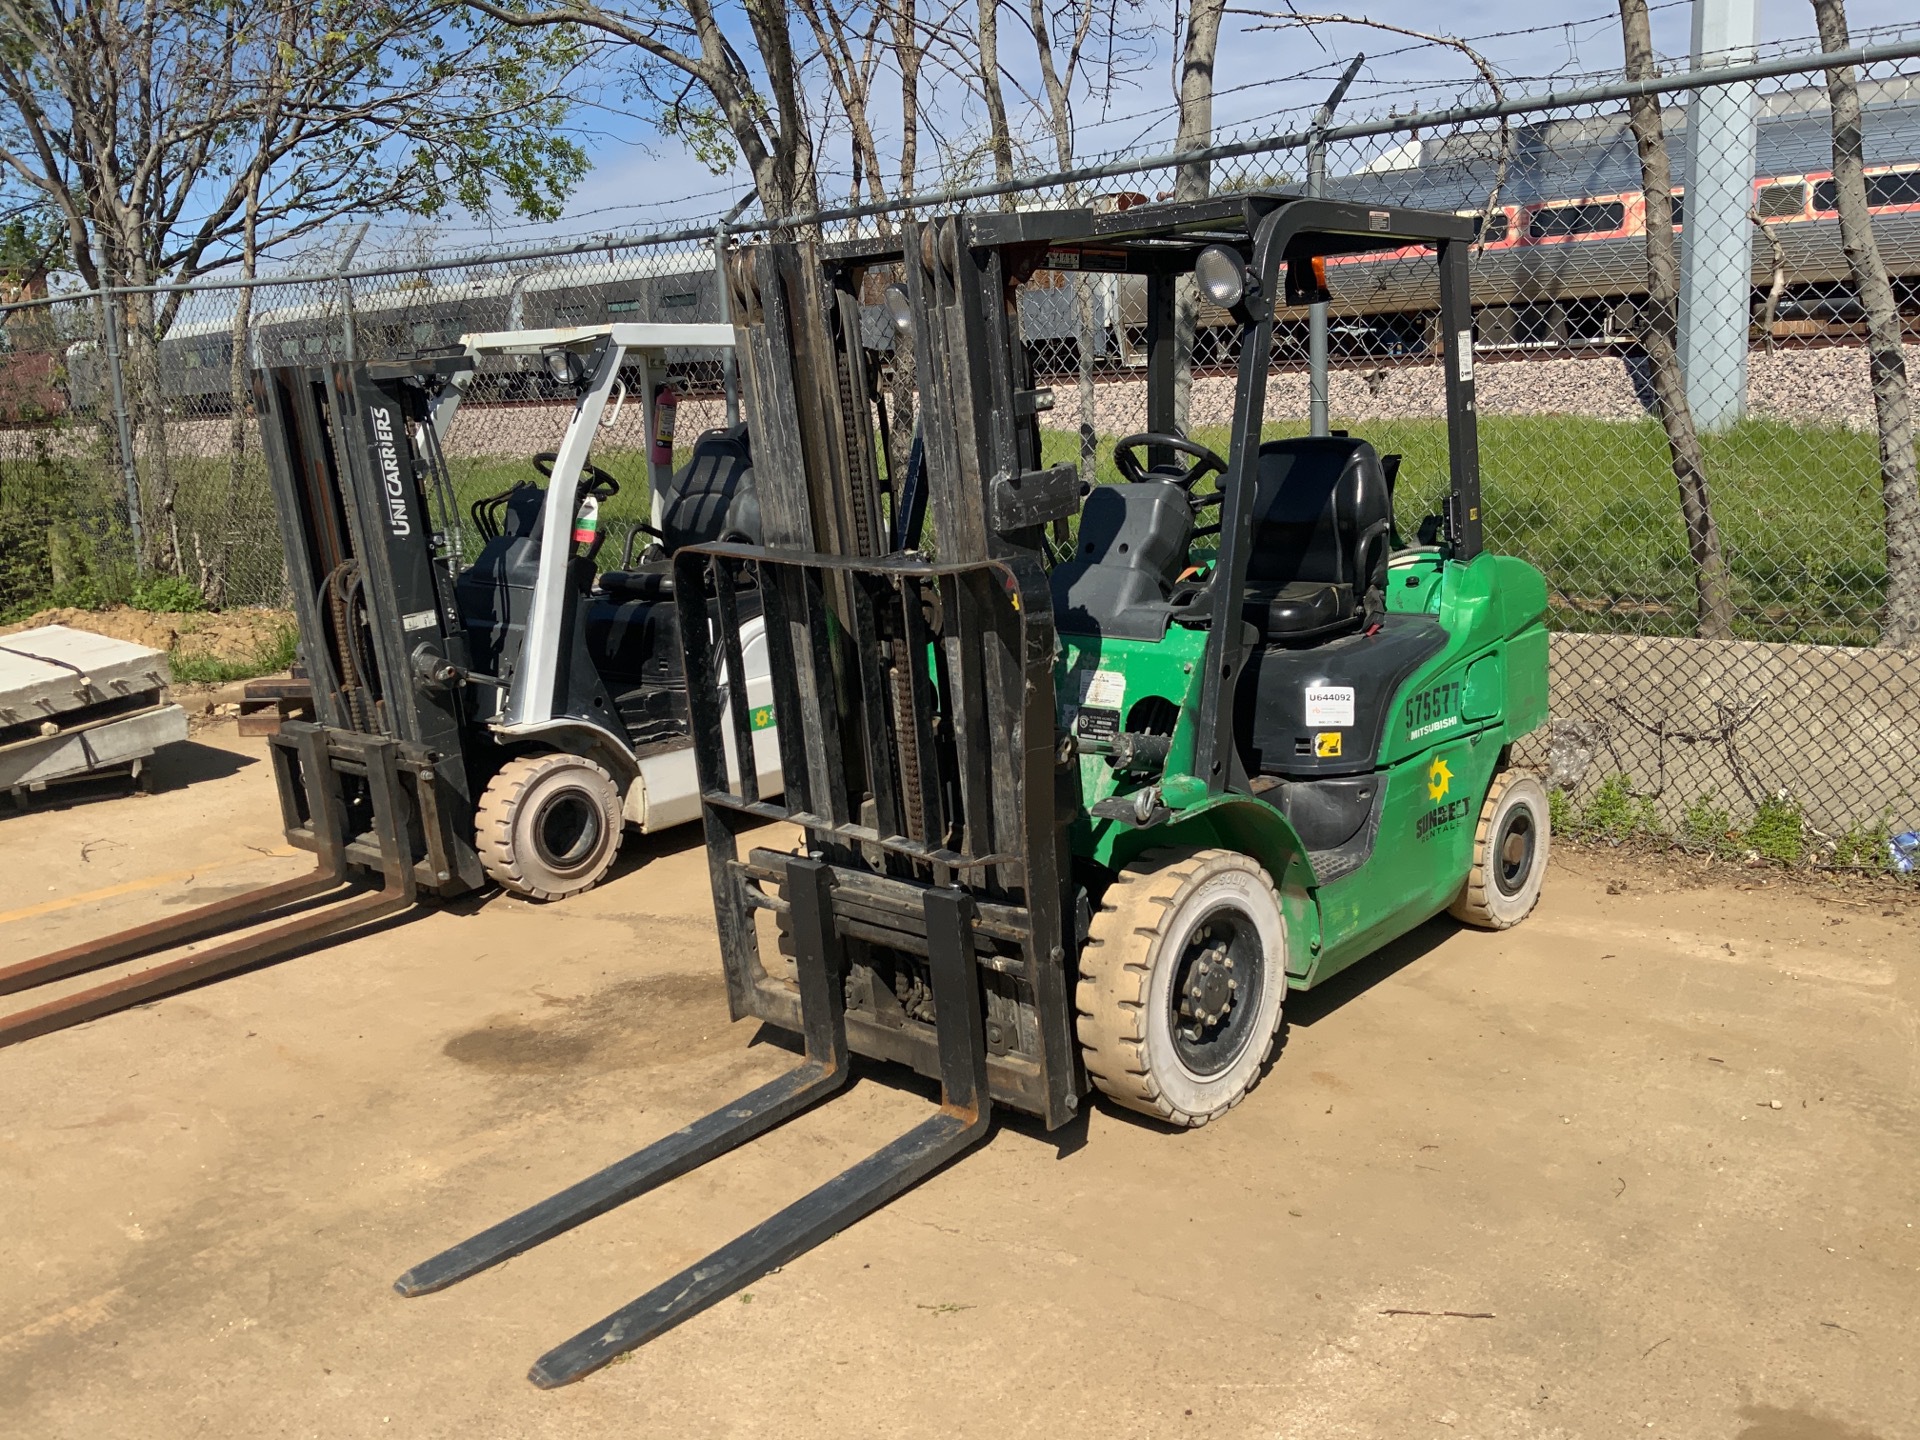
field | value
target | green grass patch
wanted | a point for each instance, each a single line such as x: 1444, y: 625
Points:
x: 274, y: 656
x: 1593, y: 504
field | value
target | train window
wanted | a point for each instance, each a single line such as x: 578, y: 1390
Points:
x: 569, y: 314
x: 423, y: 331
x: 680, y: 300
x: 622, y: 307
x: 1892, y: 187
x: 191, y: 359
x: 1679, y: 208
x: 1592, y: 219
x: 1782, y: 201
x: 1491, y: 229
x: 290, y: 348
x: 315, y: 344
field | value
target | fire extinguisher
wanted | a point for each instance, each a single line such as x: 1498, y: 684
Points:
x: 586, y: 521
x: 666, y: 406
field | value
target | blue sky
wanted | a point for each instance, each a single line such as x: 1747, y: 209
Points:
x: 643, y: 181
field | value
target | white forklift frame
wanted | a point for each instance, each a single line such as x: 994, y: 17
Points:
x: 663, y: 788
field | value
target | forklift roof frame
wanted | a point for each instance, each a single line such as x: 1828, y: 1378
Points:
x: 1270, y: 229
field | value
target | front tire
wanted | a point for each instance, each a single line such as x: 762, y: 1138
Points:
x: 548, y: 826
x: 1181, y: 983
x: 1510, y: 847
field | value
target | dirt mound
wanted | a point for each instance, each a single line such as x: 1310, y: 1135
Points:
x: 235, y: 635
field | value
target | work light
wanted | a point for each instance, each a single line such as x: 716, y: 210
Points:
x: 899, y: 309
x: 566, y: 368
x: 1222, y: 275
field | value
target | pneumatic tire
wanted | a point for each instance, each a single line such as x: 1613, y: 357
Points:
x: 1181, y: 983
x: 1510, y: 847
x: 548, y: 826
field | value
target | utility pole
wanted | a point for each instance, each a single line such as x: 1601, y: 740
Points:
x: 1716, y: 233
x: 1317, y: 421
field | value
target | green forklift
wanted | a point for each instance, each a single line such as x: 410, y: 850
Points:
x: 1073, y: 824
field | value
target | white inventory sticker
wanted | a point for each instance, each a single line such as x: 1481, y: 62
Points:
x: 1464, y: 343
x: 1103, y: 689
x: 1329, y: 707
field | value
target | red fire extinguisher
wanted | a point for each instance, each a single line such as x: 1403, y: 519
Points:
x: 666, y: 405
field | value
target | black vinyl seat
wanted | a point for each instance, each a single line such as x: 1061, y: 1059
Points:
x: 1323, y: 517
x: 711, y: 498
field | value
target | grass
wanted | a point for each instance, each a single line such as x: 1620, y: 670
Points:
x: 1594, y: 505
x: 273, y: 657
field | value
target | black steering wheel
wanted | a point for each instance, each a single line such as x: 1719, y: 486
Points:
x: 1205, y: 462
x: 599, y: 482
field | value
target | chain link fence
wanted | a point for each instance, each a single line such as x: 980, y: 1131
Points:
x: 1714, y: 531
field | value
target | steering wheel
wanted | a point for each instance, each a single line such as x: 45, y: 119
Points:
x: 599, y: 482
x: 1205, y: 462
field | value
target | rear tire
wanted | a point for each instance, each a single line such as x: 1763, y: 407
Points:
x: 548, y: 826
x: 1510, y: 848
x: 1181, y: 982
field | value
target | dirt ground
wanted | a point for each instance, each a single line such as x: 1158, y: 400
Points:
x: 236, y: 635
x: 1643, y: 1166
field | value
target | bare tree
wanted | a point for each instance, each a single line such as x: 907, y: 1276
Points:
x: 849, y: 40
x: 1886, y: 356
x: 1659, y: 332
x: 993, y: 93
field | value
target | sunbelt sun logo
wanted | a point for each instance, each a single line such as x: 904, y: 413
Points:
x: 1445, y: 813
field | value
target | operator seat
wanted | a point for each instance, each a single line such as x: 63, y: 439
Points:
x: 711, y: 498
x: 1132, y: 548
x: 1323, y: 518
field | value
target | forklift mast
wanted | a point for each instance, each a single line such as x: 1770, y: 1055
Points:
x: 367, y: 513
x: 923, y: 757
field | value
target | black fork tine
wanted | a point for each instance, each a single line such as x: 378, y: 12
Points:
x: 964, y: 1117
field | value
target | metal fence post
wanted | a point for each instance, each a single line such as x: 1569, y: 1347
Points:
x: 348, y: 339
x: 1317, y: 421
x: 123, y: 425
x: 1716, y: 242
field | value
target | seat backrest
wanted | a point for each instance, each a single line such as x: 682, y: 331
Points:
x: 712, y: 495
x: 1132, y: 547
x: 1317, y: 497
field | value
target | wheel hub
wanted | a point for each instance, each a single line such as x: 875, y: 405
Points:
x: 1209, y: 990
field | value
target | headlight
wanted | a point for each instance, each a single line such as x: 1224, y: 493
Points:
x: 566, y: 368
x: 899, y: 309
x: 1222, y: 275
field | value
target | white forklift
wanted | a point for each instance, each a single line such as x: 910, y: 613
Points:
x: 503, y: 716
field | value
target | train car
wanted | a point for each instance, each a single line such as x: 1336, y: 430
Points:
x: 1563, y: 254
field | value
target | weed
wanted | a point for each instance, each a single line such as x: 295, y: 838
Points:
x: 1778, y: 830
x: 1615, y: 814
x: 1707, y: 827
x: 169, y: 593
x: 1560, y: 813
x: 1866, y: 847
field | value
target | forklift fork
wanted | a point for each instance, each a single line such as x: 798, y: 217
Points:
x: 327, y: 820
x: 963, y: 1118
